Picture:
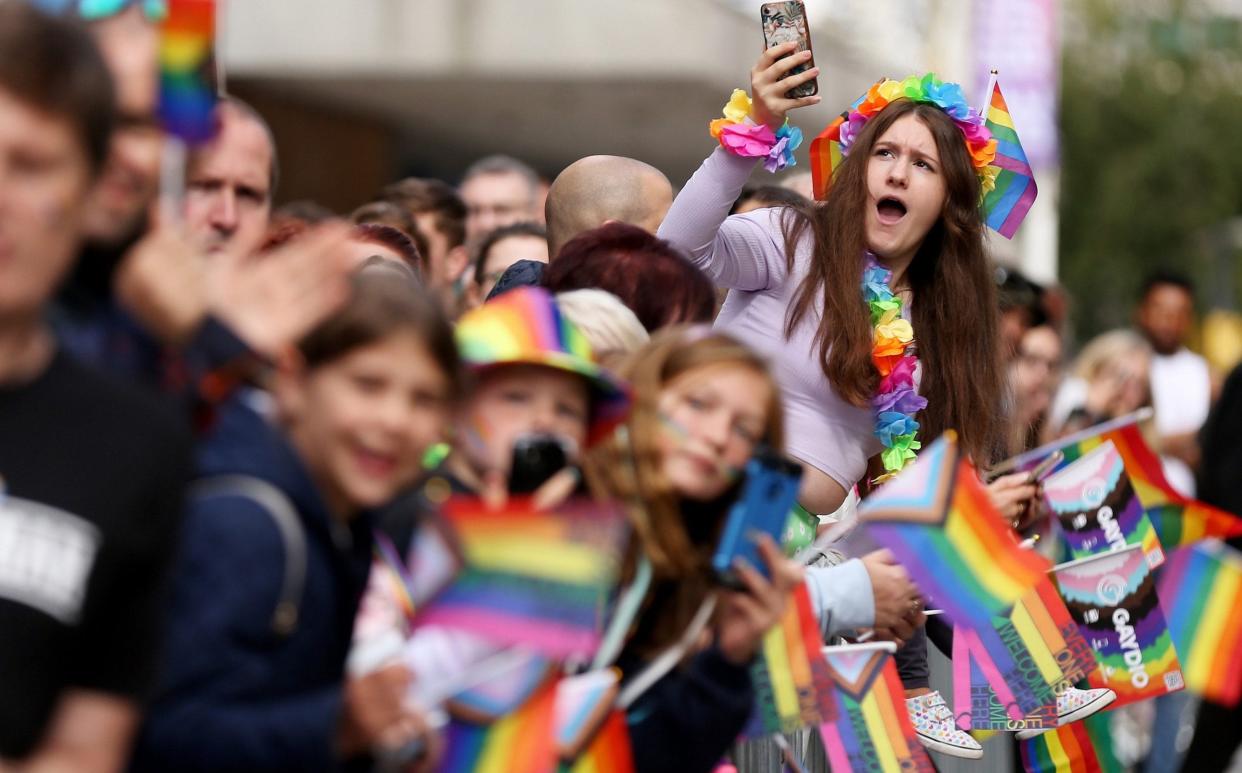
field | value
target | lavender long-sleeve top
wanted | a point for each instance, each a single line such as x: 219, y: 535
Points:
x: 746, y: 253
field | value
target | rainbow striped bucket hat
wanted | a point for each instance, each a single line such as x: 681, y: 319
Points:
x: 525, y: 326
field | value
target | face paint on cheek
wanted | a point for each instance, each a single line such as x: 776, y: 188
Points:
x: 474, y: 436
x: 677, y: 432
x: 672, y: 429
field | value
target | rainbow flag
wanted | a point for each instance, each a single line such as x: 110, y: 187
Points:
x: 793, y: 685
x: 1201, y: 592
x: 1112, y: 597
x: 1097, y: 508
x: 520, y: 742
x: 1067, y: 749
x: 1006, y: 204
x: 872, y: 730
x: 1177, y: 519
x: 939, y: 523
x: 532, y: 578
x: 609, y: 751
x: 591, y: 731
x: 187, y: 70
x: 1048, y: 654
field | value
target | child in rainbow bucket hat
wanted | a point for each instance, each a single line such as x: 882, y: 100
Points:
x: 533, y: 374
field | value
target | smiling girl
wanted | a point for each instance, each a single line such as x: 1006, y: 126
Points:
x: 703, y: 404
x: 253, y: 676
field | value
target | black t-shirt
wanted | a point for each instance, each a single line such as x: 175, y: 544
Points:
x: 93, y: 473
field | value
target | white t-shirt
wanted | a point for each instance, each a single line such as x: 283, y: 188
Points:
x: 1181, y: 392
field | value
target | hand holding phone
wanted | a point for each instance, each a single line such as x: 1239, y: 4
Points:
x: 785, y: 22
x: 769, y: 492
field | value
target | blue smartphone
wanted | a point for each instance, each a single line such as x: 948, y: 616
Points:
x: 769, y: 492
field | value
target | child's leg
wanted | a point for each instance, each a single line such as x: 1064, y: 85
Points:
x: 912, y: 664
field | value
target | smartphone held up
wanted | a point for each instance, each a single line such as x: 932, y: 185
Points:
x: 769, y: 492
x: 785, y: 22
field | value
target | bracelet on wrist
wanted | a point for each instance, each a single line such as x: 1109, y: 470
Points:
x: 738, y: 133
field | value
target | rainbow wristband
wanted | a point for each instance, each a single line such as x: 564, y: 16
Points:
x: 740, y: 135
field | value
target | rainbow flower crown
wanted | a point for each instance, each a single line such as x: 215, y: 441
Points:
x: 929, y: 89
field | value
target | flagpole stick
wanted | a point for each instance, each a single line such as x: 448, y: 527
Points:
x: 222, y: 89
x: 172, y: 178
x: 987, y: 94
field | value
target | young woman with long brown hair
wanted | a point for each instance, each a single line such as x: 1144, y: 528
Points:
x: 902, y: 211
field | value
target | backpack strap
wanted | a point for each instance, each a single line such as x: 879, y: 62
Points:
x: 292, y: 535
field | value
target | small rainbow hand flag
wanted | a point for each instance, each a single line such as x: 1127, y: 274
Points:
x: 521, y: 742
x: 187, y: 70
x: 1201, y: 593
x: 793, y: 685
x: 591, y: 732
x: 1013, y: 192
x: 531, y: 578
x: 939, y: 523
x: 872, y: 730
x: 1067, y: 749
x: 609, y: 751
x: 1178, y: 520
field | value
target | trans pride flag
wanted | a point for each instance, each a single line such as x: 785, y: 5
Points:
x: 1005, y: 205
x: 1178, y: 520
x: 1201, y: 592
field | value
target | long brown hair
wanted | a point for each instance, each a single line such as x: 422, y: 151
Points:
x: 954, y: 308
x: 628, y: 469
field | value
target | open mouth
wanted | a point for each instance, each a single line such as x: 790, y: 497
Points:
x: 890, y: 210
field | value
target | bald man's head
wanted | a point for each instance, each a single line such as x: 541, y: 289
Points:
x: 600, y: 189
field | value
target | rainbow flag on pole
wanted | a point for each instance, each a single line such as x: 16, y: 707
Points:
x: 872, y: 730
x: 187, y: 70
x: 1201, y: 593
x: 793, y: 686
x: 1006, y: 204
x: 531, y: 578
x: 938, y: 521
x: 1178, y: 520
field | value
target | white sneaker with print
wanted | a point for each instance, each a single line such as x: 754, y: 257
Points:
x: 1073, y: 705
x: 933, y: 721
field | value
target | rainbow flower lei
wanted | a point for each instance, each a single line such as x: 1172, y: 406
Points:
x: 741, y: 136
x: 930, y: 89
x: 893, y: 351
